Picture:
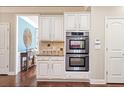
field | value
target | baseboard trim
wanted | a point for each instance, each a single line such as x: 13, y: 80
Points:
x: 97, y: 81
x: 12, y: 73
x: 63, y: 80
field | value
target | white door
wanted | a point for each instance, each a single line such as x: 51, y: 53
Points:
x: 43, y: 69
x: 58, y: 29
x: 70, y: 21
x: 45, y: 24
x: 57, y: 69
x: 84, y: 21
x: 115, y: 53
x: 4, y: 48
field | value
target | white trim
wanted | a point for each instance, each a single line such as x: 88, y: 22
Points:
x: 83, y: 12
x: 16, y: 44
x: 63, y: 80
x: 106, y: 54
x: 8, y: 43
x: 97, y: 81
x: 12, y: 73
x: 90, y: 54
x: 114, y: 17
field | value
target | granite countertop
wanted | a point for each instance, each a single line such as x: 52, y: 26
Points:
x: 47, y: 55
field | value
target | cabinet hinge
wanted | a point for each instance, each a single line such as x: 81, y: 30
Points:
x: 7, y: 66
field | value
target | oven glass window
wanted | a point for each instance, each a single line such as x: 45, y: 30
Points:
x: 77, y: 44
x: 76, y: 62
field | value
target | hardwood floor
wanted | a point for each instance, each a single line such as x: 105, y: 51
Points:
x: 28, y: 79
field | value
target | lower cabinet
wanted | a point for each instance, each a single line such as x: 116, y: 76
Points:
x: 50, y: 70
x: 42, y: 69
x: 57, y: 70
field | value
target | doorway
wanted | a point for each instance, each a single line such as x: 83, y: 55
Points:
x: 26, y: 41
x: 114, y: 49
x: 4, y: 48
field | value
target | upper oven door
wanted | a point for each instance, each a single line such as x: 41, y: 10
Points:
x: 77, y: 44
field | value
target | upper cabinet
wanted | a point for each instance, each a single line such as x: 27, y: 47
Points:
x: 70, y: 21
x: 51, y: 28
x: 77, y: 21
x: 45, y: 28
x: 58, y: 32
x: 84, y: 21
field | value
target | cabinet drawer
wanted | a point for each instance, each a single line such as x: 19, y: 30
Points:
x: 57, y: 58
x: 43, y: 58
x: 77, y: 75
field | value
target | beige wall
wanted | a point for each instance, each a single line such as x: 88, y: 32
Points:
x: 98, y: 32
x: 8, y: 14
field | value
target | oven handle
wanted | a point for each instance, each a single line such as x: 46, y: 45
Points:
x: 74, y: 55
x: 81, y: 37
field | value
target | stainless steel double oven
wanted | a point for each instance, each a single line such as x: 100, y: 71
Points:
x: 77, y: 51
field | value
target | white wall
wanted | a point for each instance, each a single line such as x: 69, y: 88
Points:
x: 98, y: 32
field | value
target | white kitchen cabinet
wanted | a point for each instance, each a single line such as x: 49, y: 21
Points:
x: 77, y: 21
x: 58, y: 32
x: 70, y: 21
x: 45, y: 28
x: 84, y: 21
x: 57, y: 69
x: 51, y: 28
x: 43, y: 69
x: 51, y: 68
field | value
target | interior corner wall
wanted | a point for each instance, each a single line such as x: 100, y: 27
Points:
x: 97, y: 59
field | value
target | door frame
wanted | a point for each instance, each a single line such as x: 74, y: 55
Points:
x: 8, y: 33
x: 16, y: 41
x: 106, y: 43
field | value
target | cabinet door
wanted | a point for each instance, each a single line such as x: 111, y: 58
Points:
x: 70, y: 21
x: 45, y: 28
x: 84, y: 21
x: 58, y: 69
x: 42, y: 69
x: 58, y: 33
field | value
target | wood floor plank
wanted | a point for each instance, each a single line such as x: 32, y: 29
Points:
x: 28, y: 79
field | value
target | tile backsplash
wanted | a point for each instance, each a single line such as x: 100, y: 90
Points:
x: 51, y: 48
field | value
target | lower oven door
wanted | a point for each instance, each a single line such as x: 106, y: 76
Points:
x: 77, y: 62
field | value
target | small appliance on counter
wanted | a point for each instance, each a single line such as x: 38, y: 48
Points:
x: 77, y: 51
